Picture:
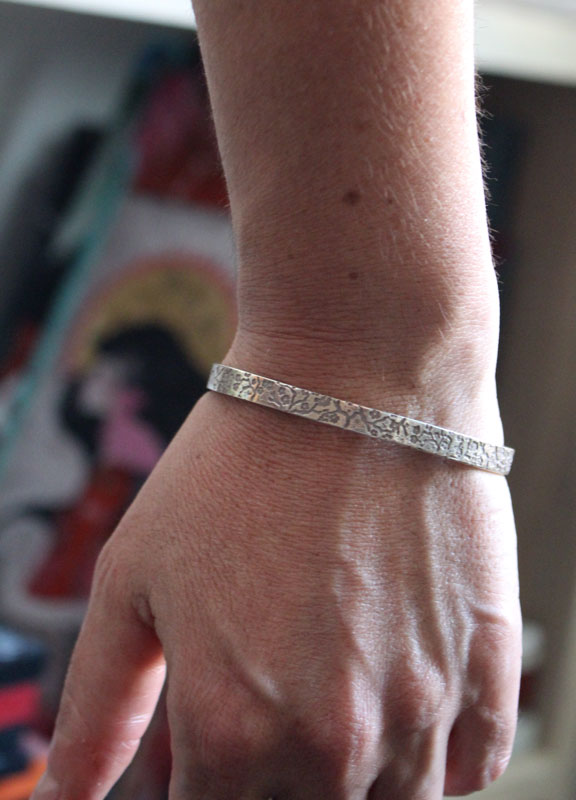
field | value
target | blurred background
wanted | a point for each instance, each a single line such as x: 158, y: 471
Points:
x: 117, y: 293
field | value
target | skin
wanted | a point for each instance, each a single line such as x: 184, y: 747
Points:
x: 338, y: 618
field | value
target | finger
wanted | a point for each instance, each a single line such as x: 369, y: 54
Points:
x: 482, y: 736
x: 111, y: 690
x: 260, y: 789
x: 231, y: 739
x: 224, y: 745
x: 479, y: 750
x: 220, y: 750
x: 417, y: 770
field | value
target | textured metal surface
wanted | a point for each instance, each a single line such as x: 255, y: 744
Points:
x: 360, y: 419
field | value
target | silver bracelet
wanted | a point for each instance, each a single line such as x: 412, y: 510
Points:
x: 360, y: 419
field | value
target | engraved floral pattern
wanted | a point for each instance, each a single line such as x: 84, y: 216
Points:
x: 367, y: 421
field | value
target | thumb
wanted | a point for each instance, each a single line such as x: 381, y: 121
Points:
x: 112, y: 687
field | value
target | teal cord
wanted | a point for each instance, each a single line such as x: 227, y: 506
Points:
x: 115, y: 182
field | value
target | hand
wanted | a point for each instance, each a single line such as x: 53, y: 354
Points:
x: 339, y: 619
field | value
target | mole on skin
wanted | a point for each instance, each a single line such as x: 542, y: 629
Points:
x: 352, y: 197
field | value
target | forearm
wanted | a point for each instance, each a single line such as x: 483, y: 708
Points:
x: 348, y: 135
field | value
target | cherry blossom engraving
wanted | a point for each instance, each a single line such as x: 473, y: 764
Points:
x: 371, y: 422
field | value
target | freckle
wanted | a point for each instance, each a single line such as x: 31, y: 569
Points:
x: 353, y: 276
x: 390, y: 201
x: 352, y: 197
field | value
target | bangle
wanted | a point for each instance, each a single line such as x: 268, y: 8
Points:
x: 360, y: 419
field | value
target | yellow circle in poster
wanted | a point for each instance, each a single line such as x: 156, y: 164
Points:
x: 181, y: 293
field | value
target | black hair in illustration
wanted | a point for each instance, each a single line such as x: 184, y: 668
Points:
x: 162, y: 370
x: 158, y: 366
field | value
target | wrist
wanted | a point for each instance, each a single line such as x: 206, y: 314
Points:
x: 453, y: 385
x: 413, y: 343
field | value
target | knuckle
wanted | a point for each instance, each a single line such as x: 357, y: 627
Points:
x: 497, y: 634
x: 109, y: 574
x: 222, y: 746
x: 229, y: 741
x: 499, y: 764
x: 115, y: 581
x: 418, y: 702
x: 329, y: 743
x: 496, y: 730
x: 494, y: 737
x: 340, y: 741
x: 481, y: 777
